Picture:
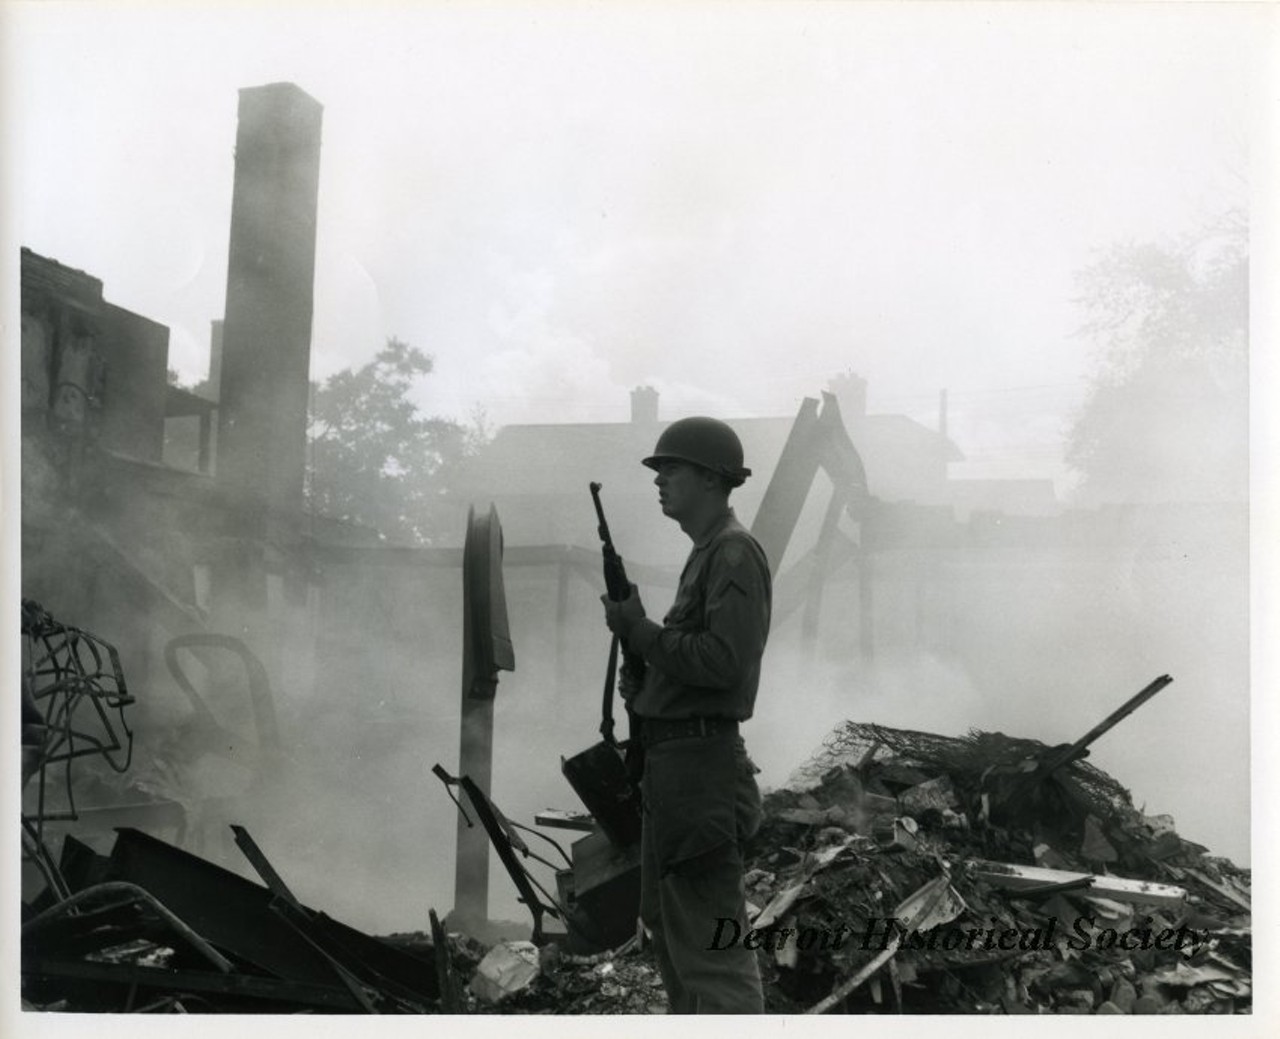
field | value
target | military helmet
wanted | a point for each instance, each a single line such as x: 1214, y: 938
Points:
x: 707, y: 442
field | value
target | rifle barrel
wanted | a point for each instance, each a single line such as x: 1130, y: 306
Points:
x: 603, y: 528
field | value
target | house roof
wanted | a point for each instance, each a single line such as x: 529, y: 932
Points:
x: 554, y: 458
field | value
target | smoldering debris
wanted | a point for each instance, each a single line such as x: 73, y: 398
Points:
x: 885, y: 887
x: 1070, y: 899
x: 898, y: 872
x: 885, y: 880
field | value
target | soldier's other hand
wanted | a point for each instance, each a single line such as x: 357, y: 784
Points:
x: 622, y: 616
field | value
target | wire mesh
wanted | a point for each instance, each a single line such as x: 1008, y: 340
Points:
x: 78, y: 687
x: 964, y: 758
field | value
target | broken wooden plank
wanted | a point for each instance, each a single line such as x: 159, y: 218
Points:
x: 867, y: 757
x: 1121, y: 889
x: 937, y: 902
x: 778, y: 905
x: 1077, y: 749
x: 275, y: 883
x: 449, y: 1001
x: 1221, y: 889
x: 562, y: 819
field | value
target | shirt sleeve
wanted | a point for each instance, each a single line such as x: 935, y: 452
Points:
x: 728, y: 642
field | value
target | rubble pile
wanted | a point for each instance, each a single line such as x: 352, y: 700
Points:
x: 904, y: 872
x: 899, y: 872
x: 1064, y: 898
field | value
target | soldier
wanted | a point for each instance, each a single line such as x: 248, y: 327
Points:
x: 700, y: 797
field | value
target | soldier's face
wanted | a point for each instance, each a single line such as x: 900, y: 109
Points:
x: 681, y: 487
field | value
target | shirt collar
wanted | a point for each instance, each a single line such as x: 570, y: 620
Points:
x: 714, y: 529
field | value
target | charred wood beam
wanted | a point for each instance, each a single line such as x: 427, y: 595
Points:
x: 820, y: 570
x: 501, y: 837
x: 792, y: 589
x: 363, y: 994
x: 1077, y: 750
x: 236, y: 914
x: 562, y: 819
x: 450, y: 1002
x: 228, y: 910
x: 261, y: 866
x: 779, y: 512
x: 838, y: 456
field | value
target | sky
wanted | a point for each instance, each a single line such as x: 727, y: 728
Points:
x: 731, y: 203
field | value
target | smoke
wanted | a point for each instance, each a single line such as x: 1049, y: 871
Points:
x: 538, y: 361
x: 1035, y: 642
x: 804, y: 696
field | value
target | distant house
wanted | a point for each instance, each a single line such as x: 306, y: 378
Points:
x: 538, y: 474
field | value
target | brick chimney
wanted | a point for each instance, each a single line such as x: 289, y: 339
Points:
x: 644, y: 404
x: 215, y: 358
x: 266, y: 332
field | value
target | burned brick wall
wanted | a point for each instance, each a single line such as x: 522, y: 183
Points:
x: 91, y: 371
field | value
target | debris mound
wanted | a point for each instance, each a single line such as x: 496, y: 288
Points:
x: 1062, y: 896
x: 898, y: 872
x: 908, y: 872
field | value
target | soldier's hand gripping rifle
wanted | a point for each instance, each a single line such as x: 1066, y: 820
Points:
x: 618, y: 588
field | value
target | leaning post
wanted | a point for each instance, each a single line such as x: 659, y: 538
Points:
x: 486, y: 650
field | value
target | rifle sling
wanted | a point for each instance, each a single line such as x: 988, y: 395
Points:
x: 606, y: 714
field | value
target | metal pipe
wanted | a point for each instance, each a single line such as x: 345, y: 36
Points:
x: 132, y: 893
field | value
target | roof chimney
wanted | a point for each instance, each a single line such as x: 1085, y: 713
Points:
x: 851, y: 393
x: 644, y: 404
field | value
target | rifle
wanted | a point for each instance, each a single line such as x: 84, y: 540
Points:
x: 606, y: 776
x: 618, y: 587
x: 615, y: 580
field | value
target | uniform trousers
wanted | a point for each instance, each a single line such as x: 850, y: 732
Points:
x: 701, y: 802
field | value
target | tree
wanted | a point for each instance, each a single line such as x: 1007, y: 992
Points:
x: 1165, y: 417
x: 375, y: 460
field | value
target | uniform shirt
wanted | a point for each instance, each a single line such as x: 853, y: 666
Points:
x: 704, y: 659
